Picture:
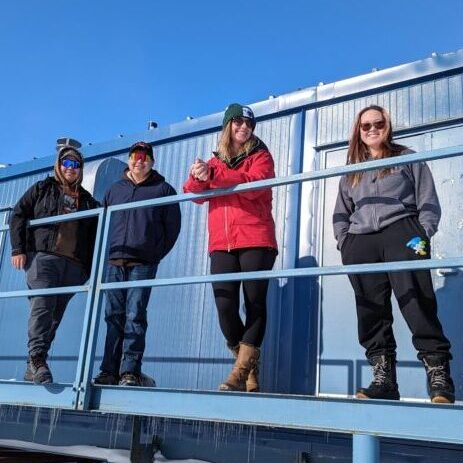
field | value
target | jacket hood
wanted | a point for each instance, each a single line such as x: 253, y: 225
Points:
x: 73, y: 153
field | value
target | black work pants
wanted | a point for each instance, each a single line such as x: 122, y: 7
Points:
x: 49, y: 271
x: 413, y: 290
x: 227, y: 294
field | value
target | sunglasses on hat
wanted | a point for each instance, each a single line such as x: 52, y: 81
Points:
x: 70, y: 163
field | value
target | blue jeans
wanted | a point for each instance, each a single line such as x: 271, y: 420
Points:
x: 126, y: 320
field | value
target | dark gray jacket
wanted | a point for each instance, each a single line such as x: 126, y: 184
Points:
x: 377, y: 202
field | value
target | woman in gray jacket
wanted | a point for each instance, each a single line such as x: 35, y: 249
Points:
x: 383, y: 216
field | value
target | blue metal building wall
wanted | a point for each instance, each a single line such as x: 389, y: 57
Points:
x: 425, y: 116
x: 184, y: 345
x: 306, y: 131
x: 300, y: 128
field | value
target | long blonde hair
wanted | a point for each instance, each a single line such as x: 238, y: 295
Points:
x: 225, y: 145
x: 358, y: 151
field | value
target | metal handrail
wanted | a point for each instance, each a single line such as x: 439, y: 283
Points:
x: 95, y: 397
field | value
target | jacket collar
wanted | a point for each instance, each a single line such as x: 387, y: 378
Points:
x: 237, y: 160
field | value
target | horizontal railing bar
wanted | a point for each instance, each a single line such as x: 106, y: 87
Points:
x: 442, y: 153
x: 61, y: 218
x: 421, y: 156
x: 398, y: 266
x: 44, y: 292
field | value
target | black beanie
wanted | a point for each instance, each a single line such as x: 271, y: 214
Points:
x: 238, y: 110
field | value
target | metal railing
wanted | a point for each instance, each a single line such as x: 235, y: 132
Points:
x: 312, y: 413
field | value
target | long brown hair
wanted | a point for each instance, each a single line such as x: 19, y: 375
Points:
x: 225, y: 145
x: 358, y: 151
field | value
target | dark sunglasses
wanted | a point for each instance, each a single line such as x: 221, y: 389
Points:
x: 70, y: 164
x: 239, y: 121
x: 366, y: 126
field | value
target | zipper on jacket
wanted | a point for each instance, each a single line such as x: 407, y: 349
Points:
x: 226, y: 228
x: 375, y: 217
x: 126, y: 221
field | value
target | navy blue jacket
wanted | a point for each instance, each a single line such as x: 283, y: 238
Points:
x: 146, y: 234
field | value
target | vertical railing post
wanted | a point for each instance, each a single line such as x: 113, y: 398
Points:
x: 365, y: 448
x: 83, y: 372
x: 4, y: 231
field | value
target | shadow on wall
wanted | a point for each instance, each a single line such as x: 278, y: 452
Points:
x: 108, y: 172
x: 290, y: 348
x: 449, y: 298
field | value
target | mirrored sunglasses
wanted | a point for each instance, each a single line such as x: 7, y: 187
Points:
x: 70, y: 163
x: 239, y: 121
x: 366, y: 126
x: 141, y: 156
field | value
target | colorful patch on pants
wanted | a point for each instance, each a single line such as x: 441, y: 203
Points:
x: 418, y: 245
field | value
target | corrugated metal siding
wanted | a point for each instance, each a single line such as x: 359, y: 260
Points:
x: 343, y: 367
x: 13, y: 312
x: 185, y: 347
x: 424, y: 103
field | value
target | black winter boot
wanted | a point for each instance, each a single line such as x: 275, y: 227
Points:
x: 384, y: 384
x: 440, y: 385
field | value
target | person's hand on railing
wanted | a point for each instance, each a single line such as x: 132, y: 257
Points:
x: 18, y: 261
x: 200, y: 170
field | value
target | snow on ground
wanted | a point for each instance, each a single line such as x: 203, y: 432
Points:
x: 111, y: 455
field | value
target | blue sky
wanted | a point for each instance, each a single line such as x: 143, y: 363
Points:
x: 94, y: 69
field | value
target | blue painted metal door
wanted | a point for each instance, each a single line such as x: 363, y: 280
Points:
x: 342, y: 365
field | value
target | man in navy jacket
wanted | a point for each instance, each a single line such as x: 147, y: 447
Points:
x: 140, y: 239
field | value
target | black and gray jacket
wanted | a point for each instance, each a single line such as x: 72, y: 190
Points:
x: 378, y: 201
x: 45, y: 199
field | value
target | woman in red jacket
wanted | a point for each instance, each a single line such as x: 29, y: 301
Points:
x: 241, y: 238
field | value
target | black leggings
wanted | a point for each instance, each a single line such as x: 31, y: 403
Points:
x: 227, y: 294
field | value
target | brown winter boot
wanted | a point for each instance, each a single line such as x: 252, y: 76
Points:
x: 247, y: 359
x: 252, y: 383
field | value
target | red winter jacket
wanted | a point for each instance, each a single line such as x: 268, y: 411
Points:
x: 241, y: 220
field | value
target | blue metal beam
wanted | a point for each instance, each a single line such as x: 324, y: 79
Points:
x: 365, y: 448
x: 45, y: 395
x: 402, y: 420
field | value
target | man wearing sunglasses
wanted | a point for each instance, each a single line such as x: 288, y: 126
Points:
x: 52, y: 255
x: 140, y: 239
